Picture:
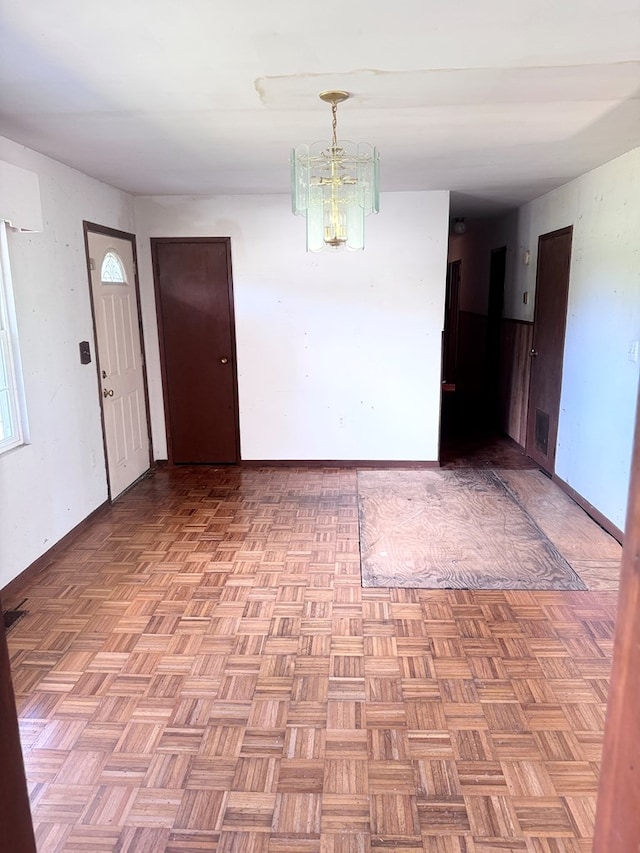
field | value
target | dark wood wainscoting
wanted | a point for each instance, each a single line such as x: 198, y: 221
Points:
x: 515, y: 365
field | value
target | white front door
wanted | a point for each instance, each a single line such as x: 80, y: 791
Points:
x: 119, y: 356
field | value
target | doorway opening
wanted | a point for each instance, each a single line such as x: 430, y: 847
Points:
x: 469, y: 432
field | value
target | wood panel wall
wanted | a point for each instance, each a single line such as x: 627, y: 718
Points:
x: 516, y: 338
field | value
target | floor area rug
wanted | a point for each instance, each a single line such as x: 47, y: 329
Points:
x: 454, y: 529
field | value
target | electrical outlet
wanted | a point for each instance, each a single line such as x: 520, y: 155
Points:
x: 632, y: 352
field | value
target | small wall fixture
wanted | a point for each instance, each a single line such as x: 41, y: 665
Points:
x: 459, y: 225
x: 335, y: 185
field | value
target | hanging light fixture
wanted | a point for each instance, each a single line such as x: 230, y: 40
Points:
x: 335, y: 185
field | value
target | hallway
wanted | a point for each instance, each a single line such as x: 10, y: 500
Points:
x: 201, y: 670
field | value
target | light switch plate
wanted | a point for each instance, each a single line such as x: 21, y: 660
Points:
x: 632, y: 353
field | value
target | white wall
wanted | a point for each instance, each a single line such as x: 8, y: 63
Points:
x: 338, y: 354
x: 599, y: 383
x: 50, y: 485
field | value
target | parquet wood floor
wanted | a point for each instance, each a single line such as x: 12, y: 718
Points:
x: 201, y: 670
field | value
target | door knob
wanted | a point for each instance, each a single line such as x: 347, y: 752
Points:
x: 224, y: 360
x: 108, y: 393
x: 533, y: 352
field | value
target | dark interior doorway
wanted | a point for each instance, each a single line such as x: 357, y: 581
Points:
x: 471, y: 373
x: 497, y: 268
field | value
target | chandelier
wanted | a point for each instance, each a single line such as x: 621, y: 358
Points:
x: 335, y: 185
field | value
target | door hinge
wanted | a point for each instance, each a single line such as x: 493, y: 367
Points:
x: 92, y: 264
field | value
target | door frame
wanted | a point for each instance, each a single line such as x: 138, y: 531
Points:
x: 617, y: 823
x: 155, y: 241
x: 94, y: 228
x: 16, y: 825
x: 557, y: 233
x: 451, y: 322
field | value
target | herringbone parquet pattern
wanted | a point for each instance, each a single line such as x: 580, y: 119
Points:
x: 202, y: 671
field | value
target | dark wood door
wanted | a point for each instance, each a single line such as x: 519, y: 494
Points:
x: 197, y: 346
x: 494, y: 328
x: 16, y: 830
x: 552, y: 290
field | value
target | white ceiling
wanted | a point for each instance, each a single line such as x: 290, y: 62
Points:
x: 499, y: 100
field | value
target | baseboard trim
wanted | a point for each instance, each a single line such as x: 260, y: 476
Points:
x: 595, y: 514
x: 338, y: 463
x: 17, y: 586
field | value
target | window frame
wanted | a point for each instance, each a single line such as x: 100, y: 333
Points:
x: 10, y: 351
x: 112, y: 253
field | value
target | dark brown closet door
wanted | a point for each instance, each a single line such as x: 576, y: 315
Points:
x: 197, y: 346
x: 547, y: 352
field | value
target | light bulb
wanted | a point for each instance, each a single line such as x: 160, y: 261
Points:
x: 335, y: 226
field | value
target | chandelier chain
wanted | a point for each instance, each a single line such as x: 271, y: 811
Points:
x: 334, y: 123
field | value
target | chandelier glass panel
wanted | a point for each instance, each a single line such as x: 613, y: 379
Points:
x: 335, y: 185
